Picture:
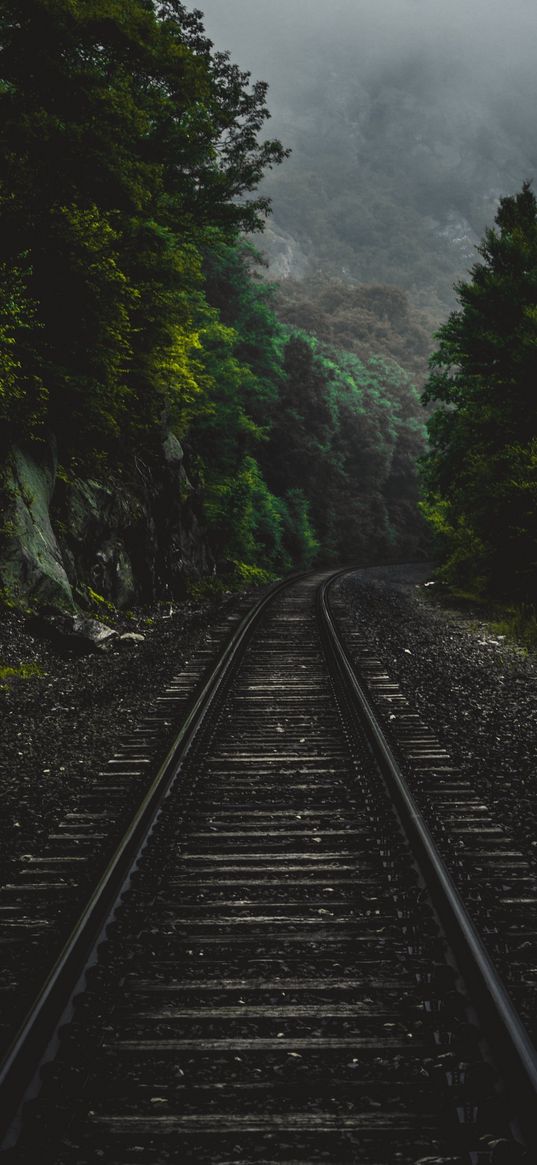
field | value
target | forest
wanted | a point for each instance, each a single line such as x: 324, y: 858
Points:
x: 131, y: 306
x: 480, y: 472
x: 152, y: 368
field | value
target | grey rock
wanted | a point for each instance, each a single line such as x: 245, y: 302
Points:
x: 77, y: 633
x: 113, y: 571
x: 283, y: 254
x: 173, y: 450
x: 30, y: 558
x: 130, y: 537
x: 96, y: 521
x: 131, y: 637
x: 97, y: 635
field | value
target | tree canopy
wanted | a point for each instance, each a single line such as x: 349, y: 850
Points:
x: 481, y: 471
x: 124, y: 139
x: 130, y: 154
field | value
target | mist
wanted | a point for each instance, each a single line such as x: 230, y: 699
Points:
x: 486, y: 34
x: 408, y: 119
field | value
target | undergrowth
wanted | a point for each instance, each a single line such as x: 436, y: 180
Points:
x: 516, y: 622
x: 24, y: 671
x: 242, y: 575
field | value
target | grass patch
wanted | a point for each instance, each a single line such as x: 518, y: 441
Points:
x: 242, y: 575
x: 518, y: 624
x: 246, y: 575
x: 207, y: 588
x: 25, y: 671
x: 10, y: 601
x: 101, y: 606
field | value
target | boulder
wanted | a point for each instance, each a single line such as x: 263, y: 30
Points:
x: 75, y: 633
x: 284, y: 257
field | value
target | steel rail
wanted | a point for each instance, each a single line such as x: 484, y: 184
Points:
x: 27, y: 1051
x: 505, y: 1031
x: 504, y: 1028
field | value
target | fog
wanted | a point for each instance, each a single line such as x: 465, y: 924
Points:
x: 486, y: 35
x: 407, y: 120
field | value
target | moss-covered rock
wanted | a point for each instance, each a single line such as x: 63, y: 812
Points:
x: 98, y: 524
x: 129, y: 538
x: 31, y: 564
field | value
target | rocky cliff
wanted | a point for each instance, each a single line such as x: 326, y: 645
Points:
x: 68, y: 540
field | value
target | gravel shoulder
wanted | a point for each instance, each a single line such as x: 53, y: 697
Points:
x: 61, y: 724
x: 476, y: 691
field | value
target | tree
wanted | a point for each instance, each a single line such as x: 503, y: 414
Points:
x: 480, y: 474
x: 130, y: 154
x: 125, y: 142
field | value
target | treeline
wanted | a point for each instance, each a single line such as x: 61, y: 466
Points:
x: 125, y: 145
x: 367, y: 319
x: 129, y: 160
x: 480, y: 473
x: 303, y: 445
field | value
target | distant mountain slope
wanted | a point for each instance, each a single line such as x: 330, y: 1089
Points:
x: 407, y: 121
x: 371, y: 320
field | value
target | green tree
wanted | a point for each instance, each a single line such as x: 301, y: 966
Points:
x: 23, y: 398
x: 130, y: 154
x: 481, y: 490
x: 125, y: 141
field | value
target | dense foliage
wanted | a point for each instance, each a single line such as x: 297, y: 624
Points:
x: 481, y: 472
x: 129, y: 161
x: 123, y: 140
x: 334, y: 438
x: 367, y: 319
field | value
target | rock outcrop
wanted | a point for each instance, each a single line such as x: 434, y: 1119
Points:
x: 284, y: 256
x: 68, y: 541
x: 31, y: 562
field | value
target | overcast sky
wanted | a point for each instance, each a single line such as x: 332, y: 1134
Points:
x: 431, y: 104
x: 491, y: 40
x: 467, y: 67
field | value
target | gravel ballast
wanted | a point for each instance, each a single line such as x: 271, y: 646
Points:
x: 473, y: 688
x: 83, y: 739
x: 476, y: 691
x: 61, y: 724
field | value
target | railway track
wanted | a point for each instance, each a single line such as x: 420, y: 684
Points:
x: 269, y: 970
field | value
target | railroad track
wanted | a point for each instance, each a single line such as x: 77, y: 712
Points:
x: 269, y: 970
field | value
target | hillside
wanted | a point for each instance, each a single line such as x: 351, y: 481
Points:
x: 366, y: 319
x: 406, y: 123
